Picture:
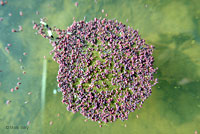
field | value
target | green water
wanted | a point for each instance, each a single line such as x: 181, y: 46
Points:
x: 172, y: 26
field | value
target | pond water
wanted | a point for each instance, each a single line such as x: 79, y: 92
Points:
x: 172, y: 26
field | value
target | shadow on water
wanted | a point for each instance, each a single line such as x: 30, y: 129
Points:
x: 178, y: 80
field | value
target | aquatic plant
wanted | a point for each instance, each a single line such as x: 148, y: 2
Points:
x: 105, y: 68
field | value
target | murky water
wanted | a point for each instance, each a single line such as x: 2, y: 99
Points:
x: 172, y: 26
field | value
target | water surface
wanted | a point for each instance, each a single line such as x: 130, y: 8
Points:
x: 172, y: 26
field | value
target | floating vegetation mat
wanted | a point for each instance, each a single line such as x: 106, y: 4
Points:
x: 105, y: 68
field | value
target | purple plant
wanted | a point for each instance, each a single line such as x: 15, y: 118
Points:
x: 105, y: 68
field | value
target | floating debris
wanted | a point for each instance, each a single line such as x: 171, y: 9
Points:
x: 24, y: 53
x: 20, y: 60
x: 37, y: 12
x: 16, y: 88
x: 54, y: 91
x: 76, y: 4
x: 11, y: 90
x: 13, y: 30
x: 10, y: 14
x: 22, y: 67
x: 7, y: 50
x: 20, y: 28
x: 8, y: 102
x: 1, y: 18
x: 19, y: 83
x: 137, y: 116
x: 20, y: 13
x: 28, y: 123
x: 51, y: 123
x: 2, y: 3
